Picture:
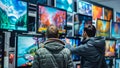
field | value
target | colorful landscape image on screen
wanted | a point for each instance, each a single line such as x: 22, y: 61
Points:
x: 110, y: 48
x: 85, y: 8
x: 117, y: 17
x: 103, y: 28
x: 79, y: 23
x: 115, y: 30
x: 118, y: 48
x: 97, y: 12
x: 65, y: 4
x: 49, y: 15
x: 108, y: 13
x: 13, y: 15
x: 117, y: 63
x: 69, y: 25
x: 26, y: 48
x: 1, y: 51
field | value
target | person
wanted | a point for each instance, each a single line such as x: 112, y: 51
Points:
x: 52, y: 53
x: 92, y: 49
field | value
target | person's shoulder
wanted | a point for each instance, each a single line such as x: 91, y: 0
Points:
x: 41, y: 50
x: 66, y: 50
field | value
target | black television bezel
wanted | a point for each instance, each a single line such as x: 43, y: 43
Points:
x: 97, y: 26
x: 18, y: 31
x: 37, y: 23
x: 78, y: 23
x: 24, y: 35
x: 111, y: 39
x: 3, y: 46
x: 64, y: 5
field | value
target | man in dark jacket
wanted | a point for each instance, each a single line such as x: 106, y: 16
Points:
x: 52, y: 53
x: 91, y: 50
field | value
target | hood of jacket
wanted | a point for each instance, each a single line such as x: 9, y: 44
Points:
x: 54, y: 44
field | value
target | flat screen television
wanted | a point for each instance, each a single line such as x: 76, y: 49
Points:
x: 115, y: 30
x: 26, y: 46
x: 110, y: 48
x: 84, y: 8
x: 108, y: 14
x: 1, y: 50
x: 117, y: 63
x: 69, y: 25
x: 79, y: 23
x: 13, y: 15
x: 117, y: 17
x: 97, y: 12
x: 50, y: 15
x: 103, y: 28
x: 65, y: 4
x: 118, y: 48
x: 38, y: 1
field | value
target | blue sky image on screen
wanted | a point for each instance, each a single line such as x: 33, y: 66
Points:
x: 117, y: 65
x: 65, y: 4
x: 80, y: 22
x: 13, y: 15
x: 85, y: 8
x: 115, y: 29
x: 50, y: 15
x: 26, y: 48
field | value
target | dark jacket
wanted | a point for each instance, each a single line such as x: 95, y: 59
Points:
x: 92, y: 53
x: 55, y: 53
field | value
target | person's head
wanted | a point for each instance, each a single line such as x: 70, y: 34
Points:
x: 89, y: 31
x: 52, y: 31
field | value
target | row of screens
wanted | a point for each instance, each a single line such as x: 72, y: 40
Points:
x: 110, y: 63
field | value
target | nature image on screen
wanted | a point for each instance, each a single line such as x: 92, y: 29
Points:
x: 97, y: 12
x: 26, y: 48
x: 69, y: 25
x: 49, y: 15
x: 110, y: 48
x: 103, y: 28
x: 1, y: 51
x: 13, y: 15
x: 115, y: 30
x: 65, y: 4
x: 79, y: 22
x: 85, y: 8
x: 117, y: 17
x: 117, y: 65
x: 108, y: 13
x: 118, y: 48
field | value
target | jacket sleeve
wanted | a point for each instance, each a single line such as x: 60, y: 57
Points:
x: 36, y: 63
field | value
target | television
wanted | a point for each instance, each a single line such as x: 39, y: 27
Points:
x: 108, y: 14
x: 97, y: 12
x: 79, y: 23
x: 117, y: 17
x: 84, y: 8
x: 38, y: 1
x: 13, y: 15
x: 118, y: 48
x: 103, y: 28
x: 117, y: 63
x: 26, y: 46
x: 115, y: 30
x: 65, y: 4
x: 72, y: 43
x: 2, y: 50
x: 69, y: 25
x: 110, y: 48
x: 50, y: 15
x: 31, y: 25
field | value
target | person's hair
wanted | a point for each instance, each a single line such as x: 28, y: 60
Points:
x: 52, y: 31
x: 90, y: 30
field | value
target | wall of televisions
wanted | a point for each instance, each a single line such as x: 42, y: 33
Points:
x: 26, y: 22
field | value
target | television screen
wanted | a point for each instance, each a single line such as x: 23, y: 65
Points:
x: 50, y: 15
x: 65, y: 4
x: 13, y: 15
x: 118, y: 48
x: 117, y: 63
x: 117, y: 17
x: 115, y: 29
x: 108, y: 13
x: 69, y: 25
x: 38, y: 1
x: 103, y: 28
x: 79, y: 22
x: 26, y: 48
x: 97, y: 12
x: 85, y: 8
x: 1, y: 50
x: 110, y: 48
